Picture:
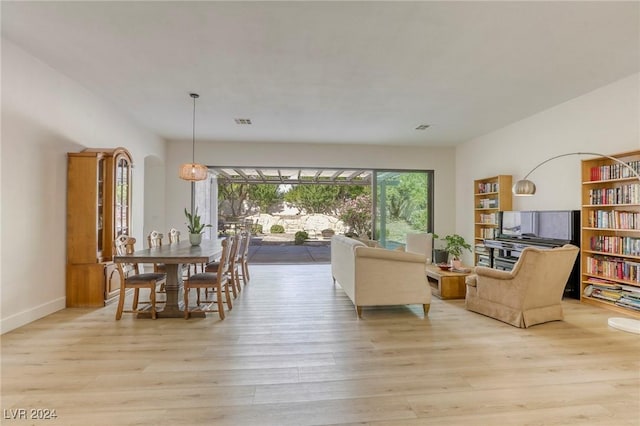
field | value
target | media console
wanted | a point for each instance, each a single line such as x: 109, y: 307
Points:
x: 540, y: 229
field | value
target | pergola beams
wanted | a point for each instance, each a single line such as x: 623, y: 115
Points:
x: 290, y: 176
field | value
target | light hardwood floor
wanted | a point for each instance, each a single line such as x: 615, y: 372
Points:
x: 292, y: 352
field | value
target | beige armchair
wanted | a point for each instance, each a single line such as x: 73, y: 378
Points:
x: 529, y: 294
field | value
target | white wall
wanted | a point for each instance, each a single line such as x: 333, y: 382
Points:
x: 441, y: 160
x: 44, y: 116
x: 604, y: 121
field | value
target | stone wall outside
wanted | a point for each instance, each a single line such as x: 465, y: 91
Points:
x: 312, y: 223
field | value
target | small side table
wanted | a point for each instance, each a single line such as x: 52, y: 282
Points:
x: 446, y: 284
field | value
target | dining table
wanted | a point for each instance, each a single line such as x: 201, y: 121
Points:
x: 174, y: 256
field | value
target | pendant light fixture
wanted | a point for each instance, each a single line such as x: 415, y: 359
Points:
x: 193, y: 171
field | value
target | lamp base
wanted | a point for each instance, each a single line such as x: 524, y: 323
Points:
x: 625, y: 324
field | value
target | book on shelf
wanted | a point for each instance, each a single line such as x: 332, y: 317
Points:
x: 629, y: 303
x: 625, y: 194
x: 614, y: 171
x: 631, y: 290
x: 613, y: 267
x: 604, y: 285
x: 628, y: 246
x: 599, y: 293
x: 614, y: 219
x: 486, y: 187
x: 488, y: 218
x: 488, y: 203
x: 488, y: 233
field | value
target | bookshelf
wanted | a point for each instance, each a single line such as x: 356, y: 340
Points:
x: 491, y: 195
x: 610, y: 243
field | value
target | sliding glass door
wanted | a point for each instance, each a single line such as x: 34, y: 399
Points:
x: 403, y: 203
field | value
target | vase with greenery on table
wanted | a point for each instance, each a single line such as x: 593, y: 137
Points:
x: 195, y: 227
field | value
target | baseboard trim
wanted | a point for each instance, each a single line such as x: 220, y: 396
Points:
x: 25, y: 317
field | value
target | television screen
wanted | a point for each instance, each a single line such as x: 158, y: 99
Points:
x: 510, y: 224
x: 556, y: 225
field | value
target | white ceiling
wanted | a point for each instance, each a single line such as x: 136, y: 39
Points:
x: 332, y: 72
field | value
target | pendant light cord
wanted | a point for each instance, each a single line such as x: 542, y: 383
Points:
x: 193, y: 141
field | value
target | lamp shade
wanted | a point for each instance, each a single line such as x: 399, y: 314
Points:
x: 193, y: 172
x: 524, y: 187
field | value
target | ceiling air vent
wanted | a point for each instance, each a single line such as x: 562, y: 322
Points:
x: 423, y: 127
x: 242, y: 121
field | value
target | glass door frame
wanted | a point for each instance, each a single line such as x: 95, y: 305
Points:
x: 375, y: 202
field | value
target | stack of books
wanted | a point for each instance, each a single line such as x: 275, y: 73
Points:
x: 602, y: 289
x: 630, y: 298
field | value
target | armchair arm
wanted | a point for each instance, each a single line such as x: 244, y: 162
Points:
x: 497, y: 274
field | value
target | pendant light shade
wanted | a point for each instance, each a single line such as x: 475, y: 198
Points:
x: 193, y: 171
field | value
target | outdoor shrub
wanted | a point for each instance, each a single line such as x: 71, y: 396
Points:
x: 356, y: 214
x: 418, y: 219
x: 256, y: 229
x: 300, y: 237
x: 328, y: 232
x: 277, y: 229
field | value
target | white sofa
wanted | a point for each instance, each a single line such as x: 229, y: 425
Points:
x: 377, y: 277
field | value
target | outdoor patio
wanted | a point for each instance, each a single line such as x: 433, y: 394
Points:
x: 280, y: 248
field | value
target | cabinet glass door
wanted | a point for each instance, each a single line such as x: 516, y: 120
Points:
x: 122, y: 196
x: 100, y: 201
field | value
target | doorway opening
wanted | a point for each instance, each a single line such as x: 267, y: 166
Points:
x: 385, y: 204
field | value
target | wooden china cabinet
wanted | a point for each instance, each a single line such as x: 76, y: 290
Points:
x: 98, y: 210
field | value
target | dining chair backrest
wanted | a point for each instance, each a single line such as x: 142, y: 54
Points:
x: 248, y: 224
x: 174, y: 236
x: 225, y: 256
x: 123, y: 245
x: 236, y: 241
x: 154, y: 239
x: 246, y: 240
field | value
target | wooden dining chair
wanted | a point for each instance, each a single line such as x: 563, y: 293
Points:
x: 154, y: 239
x: 244, y: 257
x: 217, y: 281
x: 234, y: 265
x: 174, y: 236
x: 131, y: 278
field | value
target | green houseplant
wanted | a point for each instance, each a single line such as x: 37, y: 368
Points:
x: 455, y: 246
x: 195, y: 227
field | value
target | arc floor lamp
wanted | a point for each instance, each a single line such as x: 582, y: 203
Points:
x: 525, y: 187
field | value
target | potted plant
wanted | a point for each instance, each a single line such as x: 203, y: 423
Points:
x: 440, y: 255
x: 455, y: 245
x: 195, y: 227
